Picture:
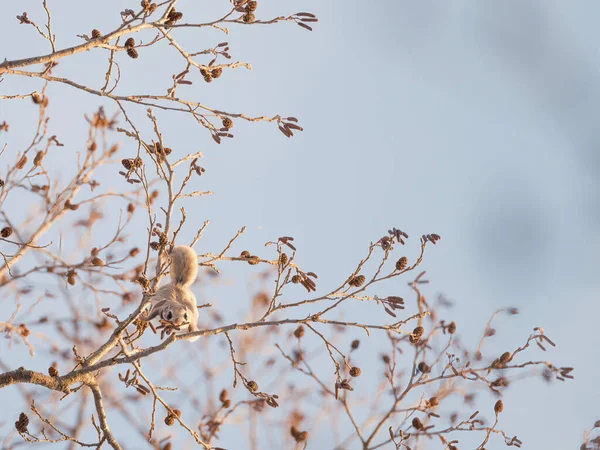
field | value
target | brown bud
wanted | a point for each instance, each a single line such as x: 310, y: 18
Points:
x: 130, y: 208
x: 299, y: 436
x: 134, y: 251
x: 53, y: 371
x: 245, y: 254
x: 21, y: 163
x: 37, y: 161
x: 224, y: 395
x: 423, y: 367
x: 6, y: 232
x: 96, y: 261
x: 299, y: 332
x: 23, y: 330
x: 296, y: 279
x: 355, y: 371
x: 96, y: 34
x: 177, y: 413
x: 355, y: 344
x: 252, y: 386
x: 385, y: 358
x: 499, y: 407
x: 452, y: 328
x: 71, y: 275
x: 505, y: 357
x: 402, y: 263
x: 169, y: 420
x: 251, y: 6
x: 416, y: 422
x: 434, y: 401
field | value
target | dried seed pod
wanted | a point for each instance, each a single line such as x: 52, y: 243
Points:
x: 251, y: 6
x: 505, y: 357
x: 500, y: 382
x: 208, y: 78
x: 452, y: 328
x: 357, y: 281
x: 283, y: 259
x: 433, y: 401
x: 385, y: 358
x: 402, y: 263
x: 355, y: 344
x: 418, y: 331
x: 130, y: 42
x: 296, y: 279
x: 253, y: 260
x: 169, y: 420
x: 21, y: 424
x: 252, y: 386
x: 134, y: 251
x: 245, y: 254
x: 227, y: 123
x: 127, y: 163
x: 23, y: 330
x: 132, y: 53
x: 155, y: 246
x: 424, y: 367
x: 216, y: 72
x: 96, y: 34
x: 355, y: 372
x: 71, y: 206
x: 96, y: 261
x: 499, y: 407
x: 71, y: 275
x: 1, y: 182
x: 21, y: 163
x: 6, y: 232
x: 248, y: 17
x: 130, y: 208
x: 53, y: 371
x: 299, y: 332
x: 177, y: 413
x: 37, y: 98
x: 224, y: 395
x: 299, y: 436
x: 416, y: 422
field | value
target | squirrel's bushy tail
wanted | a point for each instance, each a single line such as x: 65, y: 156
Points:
x: 184, y: 265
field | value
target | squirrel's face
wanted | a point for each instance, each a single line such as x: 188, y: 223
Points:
x: 176, y: 314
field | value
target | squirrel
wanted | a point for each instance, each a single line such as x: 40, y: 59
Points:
x: 175, y: 302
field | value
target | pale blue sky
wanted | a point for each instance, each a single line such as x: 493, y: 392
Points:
x: 473, y: 120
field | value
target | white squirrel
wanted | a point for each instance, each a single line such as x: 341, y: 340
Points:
x: 175, y: 301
